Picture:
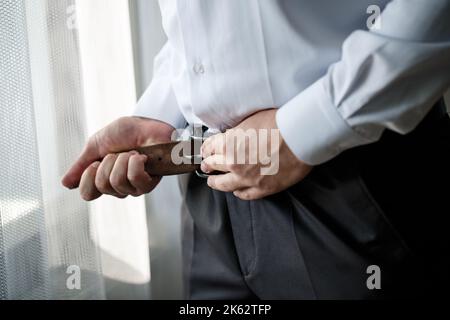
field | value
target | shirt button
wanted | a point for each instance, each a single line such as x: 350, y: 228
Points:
x: 199, y: 68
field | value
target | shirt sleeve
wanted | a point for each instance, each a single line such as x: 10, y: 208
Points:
x: 386, y: 79
x: 158, y: 101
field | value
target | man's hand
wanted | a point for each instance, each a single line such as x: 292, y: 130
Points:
x: 246, y: 180
x: 118, y: 174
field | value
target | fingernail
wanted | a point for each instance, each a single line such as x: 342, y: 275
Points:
x: 96, y: 165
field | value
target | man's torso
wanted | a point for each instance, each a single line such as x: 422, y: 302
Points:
x: 233, y: 58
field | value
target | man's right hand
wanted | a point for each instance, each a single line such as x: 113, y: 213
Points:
x: 103, y: 168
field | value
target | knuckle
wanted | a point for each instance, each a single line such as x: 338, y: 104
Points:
x: 239, y: 195
x: 208, y: 162
x: 211, y: 182
x: 92, y: 140
x: 206, y: 145
x: 110, y: 157
x: 138, y: 193
x: 244, y: 196
x: 146, y: 189
x: 123, y: 192
x: 122, y: 121
x: 87, y: 196
x: 222, y: 186
x: 102, y: 185
x: 256, y: 194
x: 252, y: 195
x: 115, y: 181
x: 136, y: 158
x: 134, y: 177
x: 120, y: 157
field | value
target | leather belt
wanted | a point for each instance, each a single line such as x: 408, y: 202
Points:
x: 160, y: 156
x: 187, y: 150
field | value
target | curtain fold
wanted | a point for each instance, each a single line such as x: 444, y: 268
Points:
x: 45, y: 231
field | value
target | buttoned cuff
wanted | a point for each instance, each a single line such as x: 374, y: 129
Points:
x: 159, y: 103
x: 313, y: 128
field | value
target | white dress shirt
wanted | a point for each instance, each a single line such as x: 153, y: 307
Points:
x: 336, y: 83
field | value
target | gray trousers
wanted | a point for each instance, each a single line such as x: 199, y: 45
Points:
x: 384, y: 204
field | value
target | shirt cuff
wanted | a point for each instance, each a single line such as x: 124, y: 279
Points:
x: 313, y: 128
x: 159, y: 103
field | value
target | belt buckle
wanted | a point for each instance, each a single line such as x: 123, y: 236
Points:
x: 196, y: 137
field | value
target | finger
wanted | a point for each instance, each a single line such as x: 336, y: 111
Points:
x: 103, y: 176
x: 137, y: 176
x: 90, y: 154
x: 215, y: 162
x: 249, y: 194
x: 119, y: 175
x: 213, y: 145
x: 226, y: 182
x: 88, y: 191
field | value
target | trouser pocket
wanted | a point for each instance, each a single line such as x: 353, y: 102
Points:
x: 342, y: 231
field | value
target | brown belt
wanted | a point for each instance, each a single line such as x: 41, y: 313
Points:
x: 160, y: 162
x: 160, y: 159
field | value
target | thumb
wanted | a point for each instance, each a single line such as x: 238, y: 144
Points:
x: 90, y: 154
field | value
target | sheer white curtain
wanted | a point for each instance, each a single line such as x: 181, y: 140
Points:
x: 49, y: 86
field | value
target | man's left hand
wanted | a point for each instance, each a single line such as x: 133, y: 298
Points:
x: 246, y: 179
